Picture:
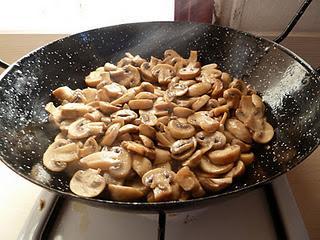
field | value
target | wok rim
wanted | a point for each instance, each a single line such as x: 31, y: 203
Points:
x: 168, y: 205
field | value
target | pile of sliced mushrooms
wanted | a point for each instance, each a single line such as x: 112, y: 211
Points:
x: 159, y: 130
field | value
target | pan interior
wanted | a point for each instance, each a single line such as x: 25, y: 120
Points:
x: 284, y: 80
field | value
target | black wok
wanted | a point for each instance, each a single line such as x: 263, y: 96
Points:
x: 288, y: 84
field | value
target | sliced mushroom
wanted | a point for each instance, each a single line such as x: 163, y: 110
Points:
x: 159, y: 180
x: 203, y: 119
x: 114, y: 90
x: 233, y: 96
x: 237, y: 170
x: 249, y: 114
x: 147, y: 130
x: 209, y: 72
x: 207, y: 166
x: 215, y: 184
x: 201, y: 101
x: 243, y: 146
x: 239, y: 130
x: 109, y: 67
x: 182, y: 112
x: 130, y: 59
x: 194, y: 160
x: 116, y: 161
x: 162, y: 156
x: 240, y: 85
x: 164, y: 139
x: 199, y: 89
x: 90, y: 146
x: 181, y: 130
x: 125, y: 98
x: 216, y: 140
x: 217, y: 111
x: 186, y: 102
x: 124, y: 193
x: 146, y: 141
x: 140, y: 104
x: 64, y: 93
x: 265, y: 135
x: 93, y: 79
x: 164, y: 119
x: 183, y: 149
x: 146, y: 95
x: 111, y: 134
x: 146, y: 74
x: 83, y: 128
x: 226, y: 79
x: 192, y: 70
x: 74, y: 110
x: 247, y: 158
x: 107, y: 108
x: 90, y: 94
x: 138, y: 148
x: 88, y: 183
x: 225, y: 156
x: 141, y: 164
x: 148, y: 117
x: 217, y: 88
x: 163, y: 72
x: 94, y: 116
x: 177, y: 89
x: 127, y: 76
x: 128, y: 128
x: 125, y: 114
x: 189, y: 182
x: 59, y: 153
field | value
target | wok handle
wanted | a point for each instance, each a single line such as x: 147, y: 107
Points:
x: 39, y: 216
x: 293, y: 21
x: 3, y: 64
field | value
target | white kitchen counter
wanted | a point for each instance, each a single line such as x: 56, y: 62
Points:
x: 17, y: 196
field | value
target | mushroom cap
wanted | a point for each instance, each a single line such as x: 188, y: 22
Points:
x: 233, y: 96
x: 90, y: 146
x: 207, y: 166
x: 216, y: 140
x: 181, y: 130
x: 87, y: 183
x: 238, y: 129
x: 163, y: 72
x: 225, y: 156
x: 158, y: 178
x: 265, y: 135
x: 240, y: 85
x: 124, y: 193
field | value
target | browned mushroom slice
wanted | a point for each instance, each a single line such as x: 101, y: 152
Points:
x: 194, y: 160
x: 162, y: 156
x: 199, y: 89
x: 124, y: 193
x: 177, y: 89
x: 217, y: 111
x: 55, y: 114
x: 114, y: 90
x: 192, y: 70
x: 233, y: 96
x: 109, y: 67
x: 189, y: 182
x: 90, y: 146
x: 249, y: 114
x: 237, y: 170
x: 243, y: 146
x: 64, y: 93
x: 74, y: 110
x: 186, y: 102
x: 265, y: 135
x: 225, y: 156
x: 163, y: 72
x: 240, y: 85
x: 116, y: 161
x: 226, y: 79
x: 183, y: 149
x: 111, y: 134
x: 201, y: 101
x: 216, y: 140
x: 239, y: 130
x: 148, y: 117
x: 160, y: 181
x: 59, y: 153
x: 203, y: 119
x: 215, y: 184
x: 146, y: 141
x: 130, y: 59
x: 138, y: 148
x: 87, y: 183
x: 127, y: 97
x: 140, y: 104
x: 80, y: 129
x: 125, y: 114
x: 258, y: 103
x: 127, y: 76
x: 182, y: 112
x: 128, y: 128
x: 146, y: 74
x: 90, y: 94
x: 147, y: 130
x: 169, y: 54
x: 181, y: 130
x: 141, y: 164
x: 164, y: 119
x: 207, y: 166
x: 247, y: 158
x: 93, y: 79
x: 146, y: 95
